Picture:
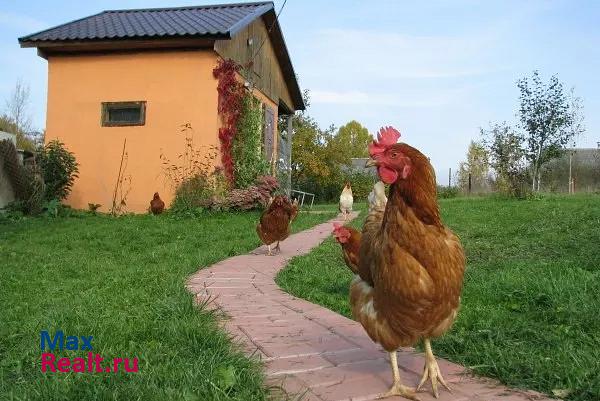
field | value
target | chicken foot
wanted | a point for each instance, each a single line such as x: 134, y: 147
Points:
x: 432, y: 371
x: 398, y: 388
x: 277, y: 248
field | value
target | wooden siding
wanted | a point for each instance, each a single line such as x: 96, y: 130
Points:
x: 265, y: 72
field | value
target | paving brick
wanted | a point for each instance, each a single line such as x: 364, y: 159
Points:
x: 294, y: 365
x: 354, y: 355
x: 365, y: 388
x: 309, y: 350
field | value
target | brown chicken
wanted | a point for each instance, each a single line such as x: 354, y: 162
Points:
x: 410, y: 265
x: 349, y: 238
x: 157, y: 206
x: 274, y: 224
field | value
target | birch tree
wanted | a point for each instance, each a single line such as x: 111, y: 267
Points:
x: 550, y: 119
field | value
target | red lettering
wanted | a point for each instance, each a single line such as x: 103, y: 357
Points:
x: 116, y: 362
x: 78, y: 365
x: 135, y: 365
x: 63, y: 365
x: 98, y: 359
x: 48, y: 362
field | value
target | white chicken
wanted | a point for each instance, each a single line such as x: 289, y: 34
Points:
x: 377, y: 199
x: 346, y: 200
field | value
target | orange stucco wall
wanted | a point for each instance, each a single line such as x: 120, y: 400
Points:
x: 178, y: 87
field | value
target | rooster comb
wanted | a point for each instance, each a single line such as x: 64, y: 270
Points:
x: 386, y: 136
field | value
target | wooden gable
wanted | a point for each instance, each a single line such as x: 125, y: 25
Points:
x: 265, y: 71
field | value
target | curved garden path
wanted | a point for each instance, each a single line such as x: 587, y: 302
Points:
x: 310, y: 350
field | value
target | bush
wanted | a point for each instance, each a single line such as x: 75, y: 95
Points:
x: 59, y: 170
x: 447, y: 192
x: 200, y: 191
x: 362, y: 184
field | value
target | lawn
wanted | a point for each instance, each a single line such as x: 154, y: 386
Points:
x: 121, y: 280
x: 530, y: 308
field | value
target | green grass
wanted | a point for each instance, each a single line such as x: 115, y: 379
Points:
x: 530, y: 311
x: 121, y: 280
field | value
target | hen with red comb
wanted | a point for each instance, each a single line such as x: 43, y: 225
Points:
x: 386, y: 136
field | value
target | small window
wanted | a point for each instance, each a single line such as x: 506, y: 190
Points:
x: 119, y: 114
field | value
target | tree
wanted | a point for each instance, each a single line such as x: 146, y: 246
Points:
x: 507, y: 158
x: 550, y: 119
x: 17, y: 120
x: 352, y: 140
x: 476, y: 166
x: 309, y: 150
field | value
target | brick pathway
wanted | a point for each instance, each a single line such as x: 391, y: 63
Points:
x: 312, y: 351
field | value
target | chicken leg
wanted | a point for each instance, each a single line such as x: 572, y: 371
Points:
x: 432, y: 371
x: 269, y: 253
x: 277, y: 248
x: 398, y: 388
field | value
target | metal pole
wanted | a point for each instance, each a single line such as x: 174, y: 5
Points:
x: 449, y: 177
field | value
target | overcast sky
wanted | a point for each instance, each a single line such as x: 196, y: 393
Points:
x: 436, y: 70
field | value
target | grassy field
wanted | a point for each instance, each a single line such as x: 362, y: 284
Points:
x: 121, y: 280
x: 531, y: 303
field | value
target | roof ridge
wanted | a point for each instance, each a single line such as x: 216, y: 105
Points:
x: 205, y: 6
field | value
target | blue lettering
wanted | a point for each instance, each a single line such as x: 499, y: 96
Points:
x: 45, y: 339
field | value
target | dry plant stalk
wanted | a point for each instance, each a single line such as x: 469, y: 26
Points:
x: 119, y: 207
x: 194, y: 161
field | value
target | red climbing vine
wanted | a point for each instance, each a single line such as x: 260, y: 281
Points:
x: 231, y: 93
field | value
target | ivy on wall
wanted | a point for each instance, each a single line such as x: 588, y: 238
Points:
x: 241, y: 133
x: 231, y: 94
x: 248, y: 159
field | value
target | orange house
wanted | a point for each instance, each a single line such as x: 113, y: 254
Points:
x: 137, y: 76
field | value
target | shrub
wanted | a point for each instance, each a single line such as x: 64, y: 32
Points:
x: 59, y: 170
x: 200, y: 191
x: 362, y: 184
x: 447, y: 192
x: 516, y: 185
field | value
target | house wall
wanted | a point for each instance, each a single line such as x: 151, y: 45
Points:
x: 178, y: 87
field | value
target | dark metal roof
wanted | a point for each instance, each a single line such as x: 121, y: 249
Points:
x: 208, y: 22
x: 217, y: 21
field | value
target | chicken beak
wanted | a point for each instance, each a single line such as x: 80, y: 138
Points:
x: 371, y: 163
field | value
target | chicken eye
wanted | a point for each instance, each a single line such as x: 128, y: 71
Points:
x: 393, y: 155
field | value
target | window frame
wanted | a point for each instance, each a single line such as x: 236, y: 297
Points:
x: 106, y: 106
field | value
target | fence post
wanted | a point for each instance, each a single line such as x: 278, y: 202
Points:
x: 469, y: 183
